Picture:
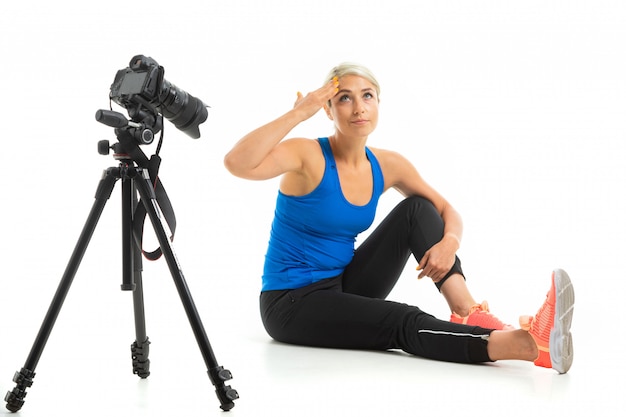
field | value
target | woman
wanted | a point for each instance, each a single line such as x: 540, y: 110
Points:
x: 318, y: 290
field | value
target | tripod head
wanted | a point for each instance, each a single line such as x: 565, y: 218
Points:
x: 128, y: 131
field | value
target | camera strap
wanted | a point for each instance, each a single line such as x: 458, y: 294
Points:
x: 165, y: 204
x: 139, y: 215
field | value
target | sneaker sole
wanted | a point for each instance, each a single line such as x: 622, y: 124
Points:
x: 561, y: 346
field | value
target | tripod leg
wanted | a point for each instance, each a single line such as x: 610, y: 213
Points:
x: 24, y: 377
x: 140, y: 349
x: 132, y: 280
x: 217, y: 374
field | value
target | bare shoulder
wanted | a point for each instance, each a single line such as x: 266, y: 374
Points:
x: 389, y: 160
x: 396, y: 168
x: 308, y: 172
x: 301, y: 148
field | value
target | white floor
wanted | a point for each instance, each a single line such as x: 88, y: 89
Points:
x: 284, y: 381
x: 86, y: 369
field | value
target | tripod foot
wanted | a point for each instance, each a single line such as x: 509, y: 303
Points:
x: 225, y: 393
x: 15, y: 398
x: 141, y: 363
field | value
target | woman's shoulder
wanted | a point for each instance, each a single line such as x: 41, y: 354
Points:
x: 307, y: 149
x: 394, y: 166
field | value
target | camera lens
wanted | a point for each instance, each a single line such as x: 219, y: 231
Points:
x: 182, y: 109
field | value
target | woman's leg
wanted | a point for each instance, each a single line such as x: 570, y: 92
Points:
x: 512, y: 344
x: 322, y: 315
x: 457, y: 295
x: 412, y: 227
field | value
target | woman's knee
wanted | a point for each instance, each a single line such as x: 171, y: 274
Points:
x: 422, y: 208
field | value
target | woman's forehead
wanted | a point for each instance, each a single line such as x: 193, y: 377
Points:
x: 356, y: 81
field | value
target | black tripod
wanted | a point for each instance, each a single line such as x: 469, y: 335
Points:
x: 134, y: 172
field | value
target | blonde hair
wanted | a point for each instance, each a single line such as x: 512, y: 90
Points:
x: 351, y: 68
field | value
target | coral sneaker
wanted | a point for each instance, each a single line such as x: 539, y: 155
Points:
x: 479, y: 315
x: 551, y: 325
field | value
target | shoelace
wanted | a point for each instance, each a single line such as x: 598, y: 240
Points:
x: 483, y: 308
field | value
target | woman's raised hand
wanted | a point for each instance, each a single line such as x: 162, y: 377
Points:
x: 310, y: 104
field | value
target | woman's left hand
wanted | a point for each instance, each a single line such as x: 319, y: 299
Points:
x: 438, y: 260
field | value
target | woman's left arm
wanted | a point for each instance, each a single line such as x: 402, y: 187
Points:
x: 402, y: 175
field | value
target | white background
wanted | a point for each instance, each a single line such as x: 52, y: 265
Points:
x: 515, y: 111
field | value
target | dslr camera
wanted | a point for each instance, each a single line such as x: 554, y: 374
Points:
x: 142, y: 87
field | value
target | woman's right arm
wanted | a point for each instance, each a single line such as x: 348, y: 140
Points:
x: 261, y: 155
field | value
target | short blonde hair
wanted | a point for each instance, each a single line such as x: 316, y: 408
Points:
x: 351, y: 68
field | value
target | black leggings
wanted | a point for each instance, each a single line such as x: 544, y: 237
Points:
x: 350, y: 311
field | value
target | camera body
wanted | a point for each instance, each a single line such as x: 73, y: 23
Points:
x: 142, y: 87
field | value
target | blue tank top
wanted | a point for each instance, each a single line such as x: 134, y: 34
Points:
x: 312, y: 236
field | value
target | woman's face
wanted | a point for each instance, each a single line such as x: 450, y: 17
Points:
x: 354, y: 108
